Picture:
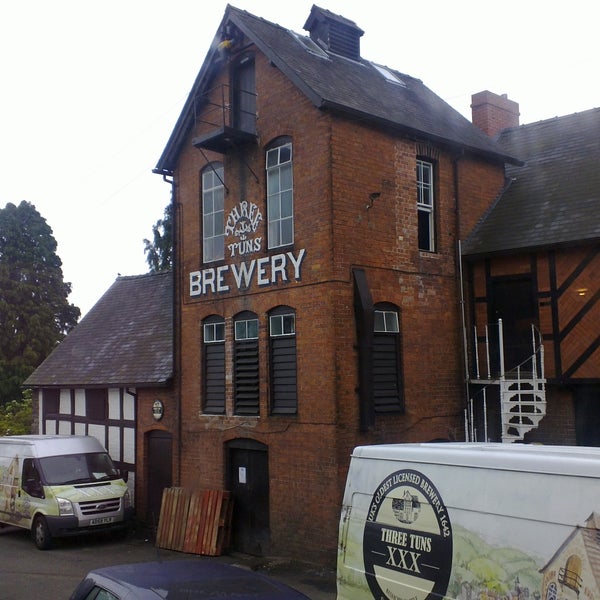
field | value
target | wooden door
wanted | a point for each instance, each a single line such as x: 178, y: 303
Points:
x: 248, y: 480
x: 159, y: 471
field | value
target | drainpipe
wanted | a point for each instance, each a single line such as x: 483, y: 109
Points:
x: 458, y: 224
x: 176, y: 215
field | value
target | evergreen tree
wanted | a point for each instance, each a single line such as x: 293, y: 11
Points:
x: 34, y: 312
x: 159, y: 252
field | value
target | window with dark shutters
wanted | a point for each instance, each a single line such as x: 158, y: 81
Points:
x: 214, y: 366
x: 387, y: 383
x: 284, y: 384
x: 246, y: 367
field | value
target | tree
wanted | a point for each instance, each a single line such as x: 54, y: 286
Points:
x: 34, y: 312
x: 159, y: 253
x: 16, y: 416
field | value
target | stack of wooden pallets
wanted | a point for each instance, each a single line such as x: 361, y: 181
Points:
x: 196, y: 522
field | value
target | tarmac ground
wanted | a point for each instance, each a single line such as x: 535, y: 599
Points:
x: 26, y: 572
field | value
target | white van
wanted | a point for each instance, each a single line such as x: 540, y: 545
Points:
x: 60, y: 485
x: 470, y: 522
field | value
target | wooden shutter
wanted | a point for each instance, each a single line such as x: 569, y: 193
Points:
x: 284, y: 398
x: 246, y: 377
x: 214, y: 378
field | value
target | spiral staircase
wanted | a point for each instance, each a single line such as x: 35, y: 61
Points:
x: 521, y: 390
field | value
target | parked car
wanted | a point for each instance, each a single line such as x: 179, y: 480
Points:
x: 186, y: 579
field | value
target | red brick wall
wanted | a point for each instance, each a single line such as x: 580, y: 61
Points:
x: 146, y: 423
x: 558, y: 426
x: 338, y: 164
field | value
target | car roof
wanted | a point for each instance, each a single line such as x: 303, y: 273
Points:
x: 187, y: 579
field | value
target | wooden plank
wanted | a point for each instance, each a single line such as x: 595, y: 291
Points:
x: 196, y: 522
x: 224, y: 534
x: 171, y: 515
x: 209, y: 514
x: 173, y: 518
x: 175, y: 494
x: 161, y: 519
x: 180, y: 521
x: 193, y: 523
x: 202, y: 533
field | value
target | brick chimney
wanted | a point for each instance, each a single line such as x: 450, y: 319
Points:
x: 493, y: 113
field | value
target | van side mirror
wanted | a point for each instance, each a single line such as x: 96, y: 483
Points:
x: 124, y: 475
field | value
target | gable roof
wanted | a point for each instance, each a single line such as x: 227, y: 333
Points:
x: 334, y: 82
x: 125, y: 339
x: 590, y: 536
x: 554, y: 198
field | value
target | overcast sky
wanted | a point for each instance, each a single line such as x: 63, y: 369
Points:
x: 91, y: 92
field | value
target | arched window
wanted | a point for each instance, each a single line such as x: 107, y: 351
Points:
x: 283, y: 376
x: 214, y: 365
x: 246, y: 366
x: 213, y: 207
x: 552, y: 592
x: 387, y: 380
x: 280, y: 193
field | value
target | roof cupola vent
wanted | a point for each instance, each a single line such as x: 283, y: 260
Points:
x: 334, y: 33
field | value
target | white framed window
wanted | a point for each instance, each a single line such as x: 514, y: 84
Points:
x: 386, y: 321
x: 280, y: 196
x: 246, y: 329
x: 425, y: 206
x: 213, y: 213
x: 214, y: 332
x: 282, y: 325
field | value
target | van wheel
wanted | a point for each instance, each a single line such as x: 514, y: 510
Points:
x: 41, y: 533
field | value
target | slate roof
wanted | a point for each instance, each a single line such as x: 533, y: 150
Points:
x: 125, y: 339
x: 333, y: 82
x: 554, y: 199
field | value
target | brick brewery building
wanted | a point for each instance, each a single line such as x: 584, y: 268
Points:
x: 319, y: 199
x: 343, y: 238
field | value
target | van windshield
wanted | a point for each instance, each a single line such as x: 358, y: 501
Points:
x: 78, y: 468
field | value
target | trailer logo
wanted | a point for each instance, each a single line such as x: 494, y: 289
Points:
x: 407, y: 541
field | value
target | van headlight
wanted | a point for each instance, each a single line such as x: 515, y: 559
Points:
x: 65, y: 508
x: 126, y: 499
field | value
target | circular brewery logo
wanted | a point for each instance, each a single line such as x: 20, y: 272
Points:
x: 407, y: 541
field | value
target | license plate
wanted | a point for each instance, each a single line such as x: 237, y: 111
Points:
x: 102, y: 520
